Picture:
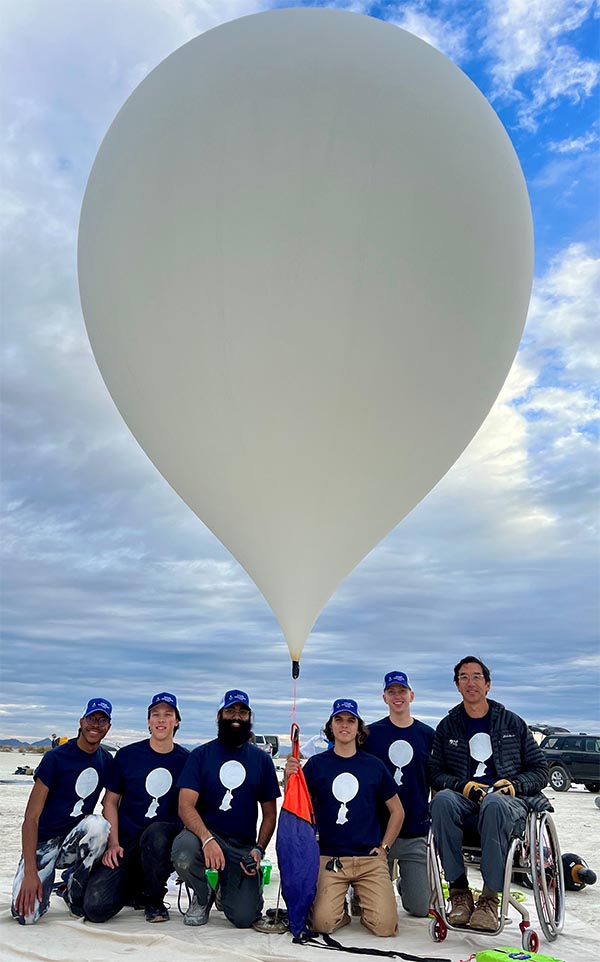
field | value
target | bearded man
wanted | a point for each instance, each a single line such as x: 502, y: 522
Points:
x: 221, y: 786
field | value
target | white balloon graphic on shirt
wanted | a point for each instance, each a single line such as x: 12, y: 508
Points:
x: 158, y: 783
x: 84, y: 786
x: 231, y: 775
x: 480, y: 746
x: 344, y: 788
x: 400, y: 754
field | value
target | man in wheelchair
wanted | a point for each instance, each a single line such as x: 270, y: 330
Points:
x: 488, y: 772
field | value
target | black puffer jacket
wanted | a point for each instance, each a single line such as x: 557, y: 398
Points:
x: 517, y: 757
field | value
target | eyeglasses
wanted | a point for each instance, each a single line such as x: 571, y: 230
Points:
x: 239, y: 712
x: 100, y: 721
x: 477, y: 676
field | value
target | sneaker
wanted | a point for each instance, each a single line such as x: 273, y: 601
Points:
x: 157, y: 913
x: 485, y: 915
x: 196, y: 914
x: 355, y: 909
x: 462, y: 906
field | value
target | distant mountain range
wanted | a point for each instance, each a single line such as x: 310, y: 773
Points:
x: 15, y: 743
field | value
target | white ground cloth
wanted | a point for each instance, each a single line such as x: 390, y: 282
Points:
x: 59, y: 938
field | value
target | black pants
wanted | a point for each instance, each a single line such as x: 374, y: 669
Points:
x: 141, y: 875
x: 241, y: 896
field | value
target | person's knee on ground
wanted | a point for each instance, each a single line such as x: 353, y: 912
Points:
x: 416, y: 903
x: 384, y: 926
x: 96, y: 908
x: 242, y: 917
x: 186, y: 855
x: 328, y: 918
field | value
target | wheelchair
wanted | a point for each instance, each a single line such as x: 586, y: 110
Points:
x: 533, y: 860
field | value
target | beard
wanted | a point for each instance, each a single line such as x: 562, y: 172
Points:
x: 234, y: 733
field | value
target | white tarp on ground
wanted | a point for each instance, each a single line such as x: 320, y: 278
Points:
x: 58, y: 938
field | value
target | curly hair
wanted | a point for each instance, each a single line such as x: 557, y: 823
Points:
x: 361, y: 735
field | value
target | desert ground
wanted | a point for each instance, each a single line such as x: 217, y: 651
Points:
x: 60, y: 938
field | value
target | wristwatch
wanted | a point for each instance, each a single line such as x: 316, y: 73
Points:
x: 385, y: 848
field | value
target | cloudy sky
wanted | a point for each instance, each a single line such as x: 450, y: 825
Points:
x: 112, y: 586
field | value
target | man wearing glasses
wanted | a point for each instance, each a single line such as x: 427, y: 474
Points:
x: 221, y: 786
x: 488, y: 772
x: 59, y: 829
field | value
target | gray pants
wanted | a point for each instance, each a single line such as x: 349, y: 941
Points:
x: 496, y: 819
x: 411, y: 855
x: 78, y: 850
x: 241, y: 897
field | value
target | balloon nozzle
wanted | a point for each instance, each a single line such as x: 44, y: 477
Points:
x: 295, y: 669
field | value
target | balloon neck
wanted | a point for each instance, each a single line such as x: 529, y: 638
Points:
x: 295, y: 669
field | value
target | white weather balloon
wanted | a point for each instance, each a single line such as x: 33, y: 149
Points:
x: 305, y: 260
x: 158, y: 783
x: 400, y: 753
x: 344, y: 788
x: 231, y: 775
x: 86, y: 783
x: 480, y: 747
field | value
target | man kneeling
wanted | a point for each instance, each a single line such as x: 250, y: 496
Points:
x: 348, y: 789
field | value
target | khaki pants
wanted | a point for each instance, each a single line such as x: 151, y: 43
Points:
x: 370, y: 878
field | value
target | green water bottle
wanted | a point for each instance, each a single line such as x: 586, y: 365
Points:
x: 265, y: 871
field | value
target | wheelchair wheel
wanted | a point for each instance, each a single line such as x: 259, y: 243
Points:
x: 530, y: 940
x: 547, y: 875
x: 437, y: 930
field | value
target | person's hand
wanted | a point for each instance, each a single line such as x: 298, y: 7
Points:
x: 112, y: 855
x: 31, y: 889
x: 378, y: 850
x: 213, y: 855
x: 475, y: 791
x: 504, y: 787
x: 292, y: 765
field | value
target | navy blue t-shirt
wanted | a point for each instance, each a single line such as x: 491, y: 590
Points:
x: 74, y: 780
x: 481, y: 761
x: 230, y: 784
x: 147, y: 783
x: 346, y: 793
x: 404, y: 752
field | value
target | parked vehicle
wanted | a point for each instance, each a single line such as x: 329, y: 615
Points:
x: 573, y: 758
x: 267, y: 743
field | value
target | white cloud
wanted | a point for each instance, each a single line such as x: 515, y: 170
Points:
x: 524, y: 38
x: 575, y: 145
x: 445, y: 35
x: 563, y: 317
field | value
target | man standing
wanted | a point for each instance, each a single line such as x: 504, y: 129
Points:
x: 403, y: 744
x: 488, y: 772
x: 59, y: 829
x: 141, y: 805
x: 221, y: 787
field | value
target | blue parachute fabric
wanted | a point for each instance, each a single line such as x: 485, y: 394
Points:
x: 297, y: 852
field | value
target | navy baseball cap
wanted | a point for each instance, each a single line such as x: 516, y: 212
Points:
x: 396, y: 678
x: 98, y: 704
x: 164, y: 697
x: 233, y: 697
x: 345, y: 704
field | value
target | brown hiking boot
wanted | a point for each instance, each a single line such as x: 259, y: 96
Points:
x: 462, y: 906
x: 485, y: 915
